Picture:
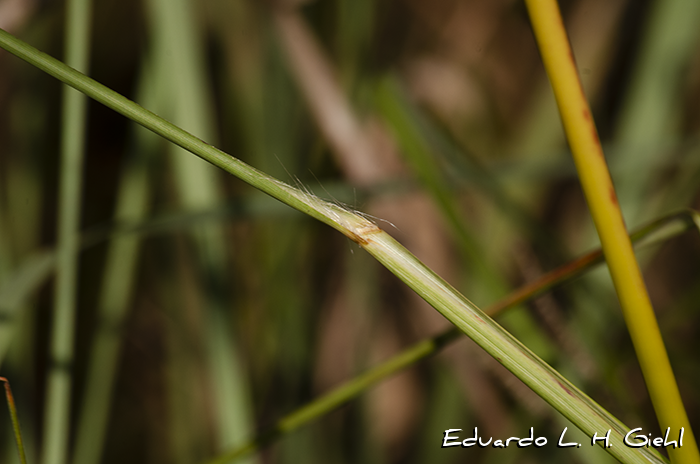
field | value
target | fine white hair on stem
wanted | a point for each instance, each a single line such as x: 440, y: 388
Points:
x: 331, y: 208
x: 355, y: 225
x: 348, y: 208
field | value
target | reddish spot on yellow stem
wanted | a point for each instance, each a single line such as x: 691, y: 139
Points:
x: 589, y: 120
x: 8, y: 392
x: 613, y: 196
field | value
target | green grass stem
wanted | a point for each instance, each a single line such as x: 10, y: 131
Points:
x: 59, y: 383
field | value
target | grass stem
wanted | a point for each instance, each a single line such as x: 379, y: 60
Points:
x: 15, y: 420
x: 59, y: 383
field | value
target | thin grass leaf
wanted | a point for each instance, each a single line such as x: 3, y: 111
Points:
x: 485, y: 283
x: 15, y: 420
x: 16, y: 290
x: 650, y: 124
x: 417, y: 153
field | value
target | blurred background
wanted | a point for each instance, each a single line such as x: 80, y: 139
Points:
x: 206, y: 310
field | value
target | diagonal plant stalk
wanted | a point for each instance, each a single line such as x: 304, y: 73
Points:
x: 15, y: 420
x: 59, y: 378
x: 541, y: 378
x: 603, y: 204
x: 652, y: 233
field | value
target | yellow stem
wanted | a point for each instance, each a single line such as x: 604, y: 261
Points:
x: 600, y: 194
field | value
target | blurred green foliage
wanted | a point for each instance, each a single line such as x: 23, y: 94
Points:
x: 433, y: 116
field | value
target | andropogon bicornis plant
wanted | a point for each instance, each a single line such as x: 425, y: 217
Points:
x: 194, y: 341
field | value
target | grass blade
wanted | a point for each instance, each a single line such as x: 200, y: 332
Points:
x: 649, y: 122
x: 15, y: 420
